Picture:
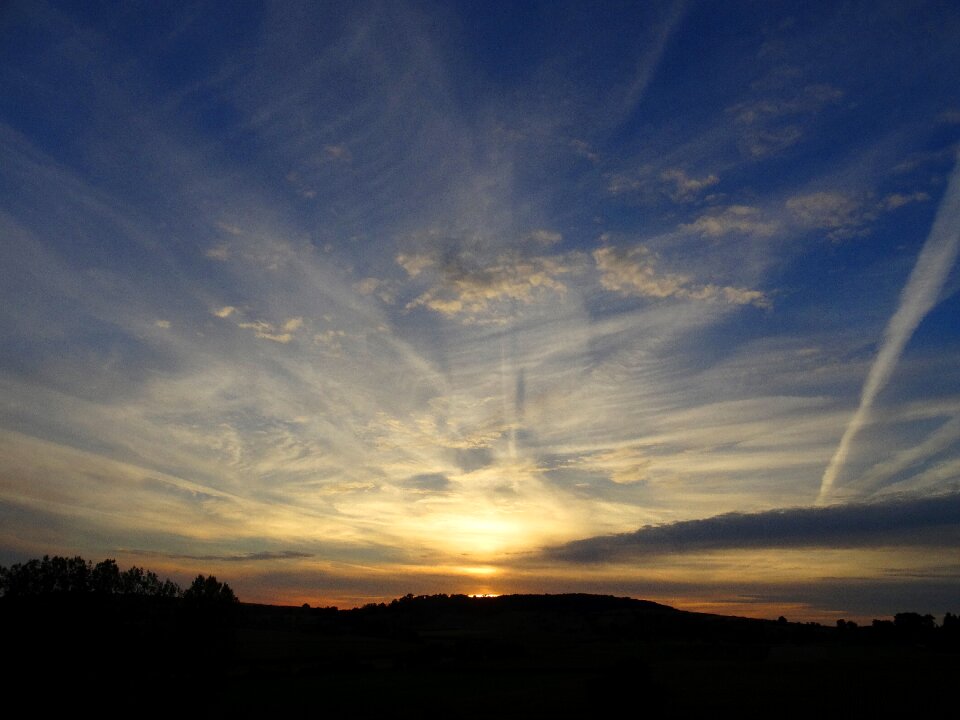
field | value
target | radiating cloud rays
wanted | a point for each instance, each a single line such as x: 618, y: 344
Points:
x: 387, y: 291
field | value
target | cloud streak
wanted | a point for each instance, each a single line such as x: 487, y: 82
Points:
x: 917, y: 298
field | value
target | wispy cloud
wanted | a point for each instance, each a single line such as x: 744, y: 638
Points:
x: 898, y: 200
x: 949, y: 117
x: 466, y: 286
x: 841, y: 214
x: 650, y: 186
x: 809, y: 99
x: 685, y: 187
x: 774, y: 122
x: 888, y: 472
x: 220, y: 252
x: 545, y: 237
x: 282, y: 333
x: 742, y: 219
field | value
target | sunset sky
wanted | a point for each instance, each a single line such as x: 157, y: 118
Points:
x: 345, y: 301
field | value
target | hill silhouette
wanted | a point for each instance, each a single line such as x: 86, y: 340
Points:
x: 459, y: 656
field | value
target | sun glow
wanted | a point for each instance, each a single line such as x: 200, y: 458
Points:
x: 483, y: 570
x: 476, y: 536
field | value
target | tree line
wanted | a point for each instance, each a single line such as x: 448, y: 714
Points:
x: 75, y: 576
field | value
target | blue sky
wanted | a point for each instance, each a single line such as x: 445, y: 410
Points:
x: 348, y: 301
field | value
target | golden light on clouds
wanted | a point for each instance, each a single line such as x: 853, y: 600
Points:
x: 494, y: 300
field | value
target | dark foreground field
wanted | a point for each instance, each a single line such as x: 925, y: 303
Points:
x: 522, y: 656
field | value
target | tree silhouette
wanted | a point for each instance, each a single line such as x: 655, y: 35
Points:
x: 137, y: 581
x: 105, y: 578
x: 58, y: 575
x: 914, y: 621
x: 208, y: 592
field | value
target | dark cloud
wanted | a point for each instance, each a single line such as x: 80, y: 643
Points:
x: 866, y: 597
x: 328, y: 551
x: 281, y: 555
x: 470, y: 459
x: 434, y: 482
x: 242, y: 557
x: 901, y: 521
x: 183, y: 493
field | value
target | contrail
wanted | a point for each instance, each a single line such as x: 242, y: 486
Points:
x: 918, y: 297
x: 651, y: 61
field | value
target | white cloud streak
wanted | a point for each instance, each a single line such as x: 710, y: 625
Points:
x: 651, y: 61
x: 919, y: 295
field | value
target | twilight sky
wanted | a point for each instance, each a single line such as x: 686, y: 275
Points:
x: 341, y: 302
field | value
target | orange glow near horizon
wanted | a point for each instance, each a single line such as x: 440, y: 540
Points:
x: 718, y: 605
x: 706, y: 582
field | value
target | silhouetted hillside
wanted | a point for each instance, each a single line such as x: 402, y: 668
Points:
x: 458, y: 656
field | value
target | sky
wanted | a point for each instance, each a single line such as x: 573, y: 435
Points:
x: 344, y: 301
